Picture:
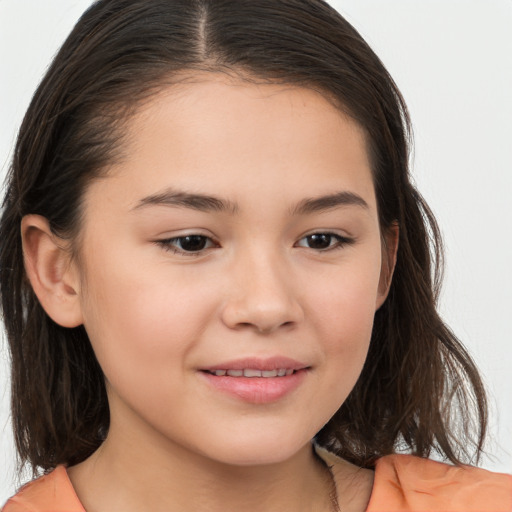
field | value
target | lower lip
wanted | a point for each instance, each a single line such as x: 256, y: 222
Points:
x: 257, y: 390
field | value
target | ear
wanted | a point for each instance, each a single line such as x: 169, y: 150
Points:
x: 51, y: 272
x: 389, y: 252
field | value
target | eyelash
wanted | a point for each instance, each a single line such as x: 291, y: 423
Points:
x: 340, y: 241
x: 171, y: 244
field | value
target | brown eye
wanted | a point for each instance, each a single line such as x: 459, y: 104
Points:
x: 187, y: 244
x: 192, y: 243
x: 323, y: 241
x: 319, y: 241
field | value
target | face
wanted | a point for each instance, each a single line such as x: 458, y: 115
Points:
x: 231, y: 269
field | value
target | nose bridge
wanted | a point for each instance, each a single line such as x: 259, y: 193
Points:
x: 261, y: 292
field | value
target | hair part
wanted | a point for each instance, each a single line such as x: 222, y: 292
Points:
x: 418, y: 388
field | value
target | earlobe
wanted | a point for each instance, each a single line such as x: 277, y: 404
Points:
x: 51, y: 272
x: 389, y: 254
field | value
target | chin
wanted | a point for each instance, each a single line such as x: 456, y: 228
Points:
x: 258, y: 452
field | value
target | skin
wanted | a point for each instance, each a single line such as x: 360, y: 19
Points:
x: 157, y: 315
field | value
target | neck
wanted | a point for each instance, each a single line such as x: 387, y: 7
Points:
x: 124, y: 475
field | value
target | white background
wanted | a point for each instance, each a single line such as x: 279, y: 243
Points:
x: 452, y: 60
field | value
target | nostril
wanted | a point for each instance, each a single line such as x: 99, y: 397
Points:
x: 272, y: 328
x: 262, y: 313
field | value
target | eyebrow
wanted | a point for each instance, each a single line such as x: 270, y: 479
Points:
x: 201, y: 202
x: 328, y: 202
x: 207, y: 203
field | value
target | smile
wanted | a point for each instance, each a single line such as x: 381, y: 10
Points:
x: 256, y: 380
x: 251, y: 372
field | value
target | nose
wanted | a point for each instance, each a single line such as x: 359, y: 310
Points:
x: 261, y: 295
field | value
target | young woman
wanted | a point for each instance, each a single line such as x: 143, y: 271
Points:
x: 212, y: 256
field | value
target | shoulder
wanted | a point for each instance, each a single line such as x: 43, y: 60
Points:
x: 404, y: 483
x: 408, y: 483
x: 50, y: 493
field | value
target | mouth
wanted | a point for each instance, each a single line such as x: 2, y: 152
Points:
x: 255, y: 367
x: 255, y: 380
x: 253, y: 372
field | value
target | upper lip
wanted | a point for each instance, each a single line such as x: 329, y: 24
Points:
x: 257, y: 363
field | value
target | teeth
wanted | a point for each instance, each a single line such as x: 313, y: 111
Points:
x: 251, y: 372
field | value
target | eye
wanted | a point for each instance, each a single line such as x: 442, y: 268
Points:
x: 187, y: 244
x: 324, y: 241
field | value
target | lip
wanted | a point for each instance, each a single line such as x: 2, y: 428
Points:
x: 256, y: 363
x: 256, y: 390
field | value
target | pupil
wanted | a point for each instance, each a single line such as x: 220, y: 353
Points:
x: 193, y: 243
x: 319, y: 241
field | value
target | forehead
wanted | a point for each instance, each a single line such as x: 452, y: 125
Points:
x: 220, y: 135
x: 206, y: 100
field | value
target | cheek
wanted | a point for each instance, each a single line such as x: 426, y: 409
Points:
x: 343, y: 312
x: 346, y: 302
x: 141, y: 317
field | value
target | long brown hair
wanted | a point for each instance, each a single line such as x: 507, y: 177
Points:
x: 419, y: 390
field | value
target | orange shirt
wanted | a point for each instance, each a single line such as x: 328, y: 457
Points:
x: 402, y: 483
